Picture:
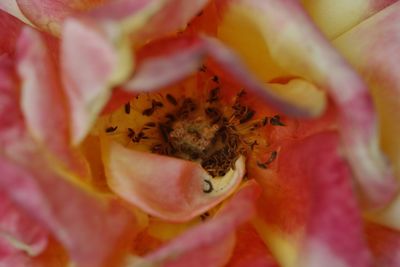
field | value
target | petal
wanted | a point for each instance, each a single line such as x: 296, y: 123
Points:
x: 165, y: 187
x: 44, y: 194
x: 90, y: 68
x: 378, y: 36
x: 335, y: 18
x: 211, y: 243
x: 10, y: 28
x: 170, y: 60
x: 43, y: 103
x: 384, y: 244
x: 299, y: 48
x: 48, y: 15
x: 309, y: 209
x: 20, y: 231
x: 250, y: 250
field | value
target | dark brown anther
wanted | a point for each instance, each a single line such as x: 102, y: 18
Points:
x: 164, y: 130
x: 241, y: 93
x: 262, y: 165
x: 247, y: 116
x: 264, y: 121
x: 203, y: 68
x: 150, y: 124
x: 111, y: 129
x: 127, y: 108
x: 200, y: 13
x: 214, y: 95
x: 215, y: 79
x: 253, y: 144
x: 276, y: 121
x: 273, y: 156
x: 209, y: 188
x: 214, y: 114
x: 171, y: 99
x: 148, y: 111
x: 156, y: 104
x: 187, y: 107
x: 131, y: 133
x: 170, y: 117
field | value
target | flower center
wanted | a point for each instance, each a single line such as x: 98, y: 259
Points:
x: 200, y: 126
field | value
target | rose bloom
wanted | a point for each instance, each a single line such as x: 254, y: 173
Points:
x: 199, y: 133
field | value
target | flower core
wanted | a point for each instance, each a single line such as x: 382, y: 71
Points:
x: 211, y: 126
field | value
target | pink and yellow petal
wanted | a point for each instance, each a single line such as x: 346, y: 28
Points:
x: 43, y: 194
x: 10, y: 28
x: 336, y: 17
x: 43, y: 103
x: 165, y: 187
x: 296, y: 45
x: 309, y: 211
x: 48, y: 15
x: 211, y: 243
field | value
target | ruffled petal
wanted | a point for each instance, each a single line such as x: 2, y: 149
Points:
x: 300, y: 49
x: 337, y: 17
x: 43, y: 102
x: 170, y: 60
x: 94, y: 230
x: 379, y: 37
x: 48, y: 15
x: 165, y: 187
x: 211, y: 243
x: 20, y: 231
x: 309, y: 211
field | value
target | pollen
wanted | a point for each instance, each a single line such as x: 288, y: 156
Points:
x: 201, y: 122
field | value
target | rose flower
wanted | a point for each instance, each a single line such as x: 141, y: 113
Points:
x: 199, y: 133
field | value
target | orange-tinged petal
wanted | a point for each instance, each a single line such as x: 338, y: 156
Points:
x: 21, y: 232
x: 165, y: 187
x: 11, y: 7
x: 90, y: 67
x: 384, y: 244
x: 10, y: 28
x: 211, y: 243
x: 299, y: 48
x: 94, y: 229
x: 48, y: 15
x: 250, y: 250
x: 378, y: 36
x: 170, y: 60
x: 42, y: 101
x: 337, y: 17
x: 310, y: 204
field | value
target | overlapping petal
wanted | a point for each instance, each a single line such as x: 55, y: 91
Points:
x: 309, y: 210
x: 211, y: 243
x: 335, y: 18
x: 169, y: 188
x: 296, y: 46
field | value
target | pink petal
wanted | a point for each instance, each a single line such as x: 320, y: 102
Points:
x: 10, y: 28
x: 165, y: 187
x: 42, y: 100
x: 384, y: 244
x: 309, y: 200
x: 19, y: 230
x: 171, y: 60
x: 94, y: 230
x: 48, y: 14
x: 211, y: 243
x: 299, y: 48
x: 379, y: 37
x: 89, y: 66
